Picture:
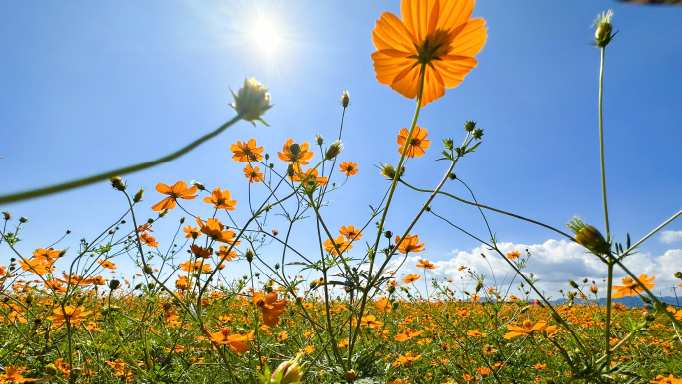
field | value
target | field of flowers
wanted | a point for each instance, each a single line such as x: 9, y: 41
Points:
x: 183, y: 316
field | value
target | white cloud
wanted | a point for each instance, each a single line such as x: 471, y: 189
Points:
x: 671, y: 236
x: 553, y: 263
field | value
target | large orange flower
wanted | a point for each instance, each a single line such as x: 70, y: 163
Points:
x: 341, y: 244
x: 235, y: 341
x: 409, y: 244
x: 528, y: 328
x: 214, y: 229
x: 350, y: 233
x: 631, y: 287
x: 310, y: 177
x: 179, y: 190
x: 417, y: 143
x: 221, y: 199
x: 272, y: 309
x: 246, y: 152
x: 303, y: 157
x: 438, y: 36
x: 73, y: 315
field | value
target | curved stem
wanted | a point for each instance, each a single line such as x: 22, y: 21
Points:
x: 30, y: 194
x: 491, y: 209
x: 601, y: 144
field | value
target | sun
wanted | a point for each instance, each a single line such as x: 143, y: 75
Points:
x: 266, y: 36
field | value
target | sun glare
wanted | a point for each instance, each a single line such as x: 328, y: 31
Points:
x: 266, y: 36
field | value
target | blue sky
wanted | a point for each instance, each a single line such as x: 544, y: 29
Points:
x: 89, y: 86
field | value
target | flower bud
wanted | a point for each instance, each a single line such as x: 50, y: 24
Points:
x: 288, y: 371
x: 390, y: 289
x: 678, y: 275
x: 6, y: 215
x: 573, y: 284
x: 589, y: 237
x: 199, y: 185
x: 388, y: 171
x: 350, y: 376
x: 147, y: 269
x: 290, y: 170
x: 388, y: 234
x: 138, y: 195
x: 252, y: 101
x: 62, y: 253
x: 117, y: 183
x: 478, y: 133
x: 113, y: 284
x: 138, y: 286
x: 333, y: 150
x: 51, y: 370
x: 603, y: 34
x: 249, y: 255
x: 23, y: 220
x: 345, y: 99
x: 319, y: 139
x: 469, y: 126
x: 295, y: 149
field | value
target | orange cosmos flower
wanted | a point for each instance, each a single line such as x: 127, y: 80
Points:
x: 252, y: 174
x: 434, y: 36
x: 200, y: 252
x: 246, y: 152
x: 195, y: 267
x: 371, y: 321
x: 303, y: 157
x: 513, y: 255
x: 417, y: 144
x: 310, y: 178
x: 666, y: 380
x: 12, y: 374
x: 341, y: 244
x: 214, y: 229
x: 528, y: 328
x: 45, y: 254
x: 407, y: 335
x: 224, y: 256
x: 191, y: 232
x: 107, y: 264
x: 272, y: 309
x: 384, y: 305
x: 631, y: 287
x: 409, y: 244
x: 411, y: 278
x: 149, y: 240
x: 425, y: 264
x: 177, y: 191
x: 39, y: 267
x: 349, y: 168
x: 463, y: 267
x: 221, y: 199
x: 351, y: 233
x: 235, y: 341
x: 70, y: 314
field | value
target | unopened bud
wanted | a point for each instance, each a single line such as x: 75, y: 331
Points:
x: 6, y: 215
x: 113, y: 284
x: 290, y: 170
x: 138, y: 195
x: 678, y: 275
x: 252, y: 101
x: 147, y: 269
x: 573, y: 284
x: 469, y: 126
x: 199, y: 185
x: 345, y: 99
x: 350, y: 376
x: 117, y: 183
x: 319, y: 139
x: 333, y: 150
x: 295, y: 149
x: 23, y: 220
x: 388, y: 171
x: 249, y: 255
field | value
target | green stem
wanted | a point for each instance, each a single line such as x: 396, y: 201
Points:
x: 115, y: 172
x: 601, y: 144
x: 607, y: 326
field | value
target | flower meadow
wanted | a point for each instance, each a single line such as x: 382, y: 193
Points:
x: 184, y: 316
